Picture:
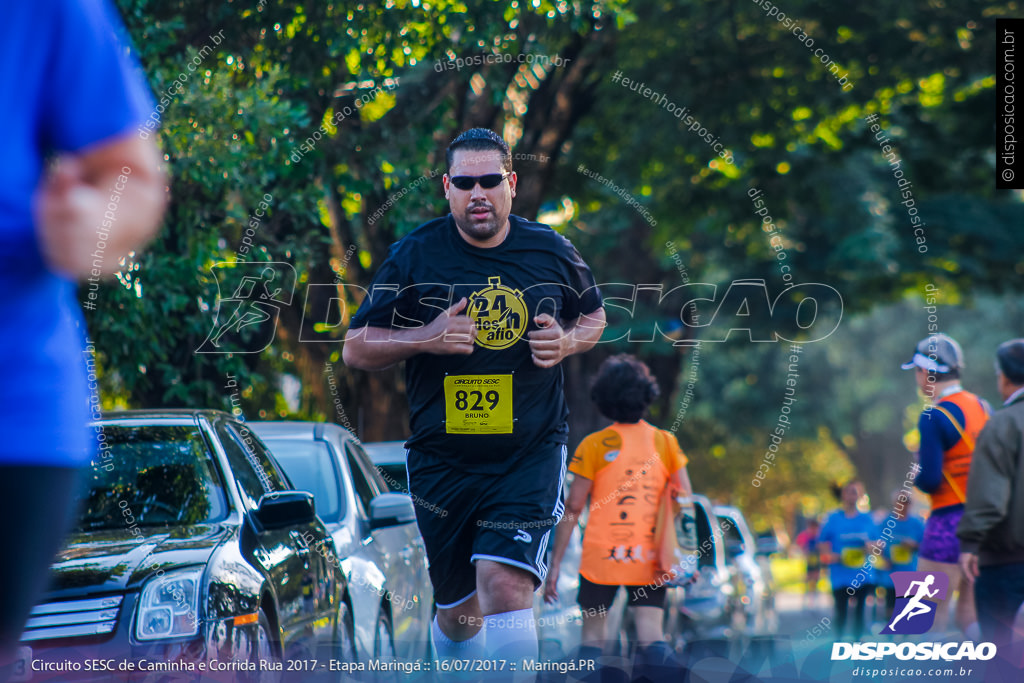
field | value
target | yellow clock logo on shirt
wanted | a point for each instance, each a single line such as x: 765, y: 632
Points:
x: 499, y: 313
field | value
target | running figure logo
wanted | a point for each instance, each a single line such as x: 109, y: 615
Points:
x: 246, y: 321
x: 915, y: 610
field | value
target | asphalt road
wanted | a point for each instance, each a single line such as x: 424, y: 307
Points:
x: 800, y: 650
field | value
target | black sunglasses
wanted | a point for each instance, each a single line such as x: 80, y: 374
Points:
x: 468, y: 182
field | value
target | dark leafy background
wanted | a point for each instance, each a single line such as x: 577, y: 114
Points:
x: 282, y: 68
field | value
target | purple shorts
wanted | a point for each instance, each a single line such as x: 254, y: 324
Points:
x: 940, y: 543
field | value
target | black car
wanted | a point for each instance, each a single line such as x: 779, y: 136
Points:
x: 191, y: 553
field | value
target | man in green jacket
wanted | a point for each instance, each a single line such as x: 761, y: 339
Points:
x: 991, y: 532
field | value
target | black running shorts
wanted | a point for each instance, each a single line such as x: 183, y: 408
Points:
x: 465, y: 517
x: 599, y: 597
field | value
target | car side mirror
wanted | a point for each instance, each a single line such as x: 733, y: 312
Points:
x: 390, y: 509
x: 284, y: 509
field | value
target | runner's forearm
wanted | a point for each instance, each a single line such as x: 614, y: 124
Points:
x: 563, y: 532
x: 586, y: 331
x: 377, y: 348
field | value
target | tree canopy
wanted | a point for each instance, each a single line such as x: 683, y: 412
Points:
x: 335, y: 117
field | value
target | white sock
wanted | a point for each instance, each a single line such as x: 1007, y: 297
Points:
x: 512, y: 635
x: 446, y: 648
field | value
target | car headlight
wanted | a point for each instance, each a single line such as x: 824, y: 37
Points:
x: 169, y: 607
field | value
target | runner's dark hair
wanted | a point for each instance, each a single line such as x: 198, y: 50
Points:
x: 1010, y: 357
x: 624, y: 388
x: 934, y: 377
x: 477, y: 140
x: 837, y: 487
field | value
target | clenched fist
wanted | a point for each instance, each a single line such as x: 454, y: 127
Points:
x: 95, y: 207
x: 451, y: 333
x: 69, y: 214
x: 550, y: 344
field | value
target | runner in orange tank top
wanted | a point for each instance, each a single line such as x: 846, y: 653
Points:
x: 624, y: 470
x: 948, y: 428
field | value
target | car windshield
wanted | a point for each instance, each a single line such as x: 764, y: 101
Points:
x: 308, y: 464
x: 733, y: 537
x: 151, y: 476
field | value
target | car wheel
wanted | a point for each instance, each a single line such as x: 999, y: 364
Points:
x: 383, y: 638
x: 265, y: 650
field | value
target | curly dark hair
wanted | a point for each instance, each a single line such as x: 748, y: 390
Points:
x: 623, y: 388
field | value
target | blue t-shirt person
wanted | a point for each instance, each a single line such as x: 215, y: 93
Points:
x: 848, y: 538
x: 901, y: 548
x: 67, y: 83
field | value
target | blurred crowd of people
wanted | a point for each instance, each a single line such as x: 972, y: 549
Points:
x: 968, y: 462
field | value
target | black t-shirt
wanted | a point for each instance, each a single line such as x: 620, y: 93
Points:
x: 486, y: 410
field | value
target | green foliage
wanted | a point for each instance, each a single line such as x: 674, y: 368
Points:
x: 247, y: 123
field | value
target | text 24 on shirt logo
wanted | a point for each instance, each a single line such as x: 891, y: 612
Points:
x: 499, y: 313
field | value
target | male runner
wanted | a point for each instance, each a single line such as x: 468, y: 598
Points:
x: 483, y: 306
x: 902, y: 547
x: 949, y: 427
x: 845, y: 540
x: 624, y: 470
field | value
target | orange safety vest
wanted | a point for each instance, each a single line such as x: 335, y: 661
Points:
x: 956, y: 462
x: 618, y: 544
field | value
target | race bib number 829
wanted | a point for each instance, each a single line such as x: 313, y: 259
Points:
x: 478, y: 404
